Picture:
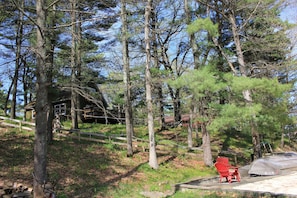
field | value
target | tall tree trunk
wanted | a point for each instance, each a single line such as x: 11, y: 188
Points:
x: 25, y: 87
x: 42, y: 105
x: 195, y: 54
x: 282, y: 143
x: 50, y: 46
x: 247, y: 93
x: 158, y: 83
x: 207, y: 156
x: 79, y: 61
x: 14, y: 91
x: 161, y: 107
x: 190, y: 135
x: 127, y: 82
x: 19, y: 38
x: 197, y: 125
x: 176, y: 108
x: 148, y: 86
x: 7, y: 99
x: 190, y: 127
x: 74, y: 118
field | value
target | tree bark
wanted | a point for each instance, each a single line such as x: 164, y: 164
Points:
x: 176, y: 108
x: 207, y: 156
x: 158, y: 83
x: 190, y: 127
x: 127, y: 82
x: 161, y: 107
x: 148, y: 85
x: 7, y: 99
x: 42, y: 105
x: 50, y: 46
x: 25, y: 87
x: 74, y: 117
x: 19, y: 38
x: 79, y: 64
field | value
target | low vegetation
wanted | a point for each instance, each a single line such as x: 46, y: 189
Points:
x: 79, y: 168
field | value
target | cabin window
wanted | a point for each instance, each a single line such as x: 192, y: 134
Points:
x: 60, y: 109
x: 33, y: 114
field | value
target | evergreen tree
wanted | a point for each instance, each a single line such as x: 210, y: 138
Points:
x: 235, y: 18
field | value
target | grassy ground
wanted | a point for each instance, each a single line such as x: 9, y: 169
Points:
x: 89, y: 169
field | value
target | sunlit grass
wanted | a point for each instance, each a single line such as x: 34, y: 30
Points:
x: 161, y: 180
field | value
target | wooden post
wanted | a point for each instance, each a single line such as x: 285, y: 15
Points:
x: 20, y: 128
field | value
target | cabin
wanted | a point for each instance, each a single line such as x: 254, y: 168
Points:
x: 30, y: 111
x: 184, y: 121
x: 90, y: 111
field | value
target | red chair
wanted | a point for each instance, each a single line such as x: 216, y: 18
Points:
x: 226, y: 170
x: 223, y: 160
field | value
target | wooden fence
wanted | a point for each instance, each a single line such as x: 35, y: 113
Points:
x: 118, y: 139
x: 71, y: 133
x: 8, y: 122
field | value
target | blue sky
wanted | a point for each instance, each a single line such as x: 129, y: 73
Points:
x: 290, y: 13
